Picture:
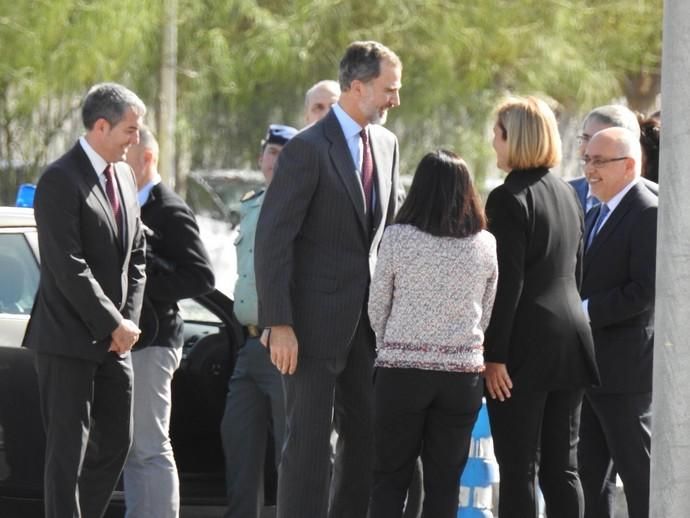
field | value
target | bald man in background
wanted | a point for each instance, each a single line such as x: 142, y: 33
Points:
x: 319, y: 99
x: 177, y: 267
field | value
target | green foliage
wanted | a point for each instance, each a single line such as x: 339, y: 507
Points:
x: 243, y: 64
x: 51, y: 52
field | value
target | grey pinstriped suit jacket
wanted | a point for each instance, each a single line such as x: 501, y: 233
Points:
x: 315, y: 251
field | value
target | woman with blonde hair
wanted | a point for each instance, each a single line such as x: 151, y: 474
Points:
x: 538, y: 348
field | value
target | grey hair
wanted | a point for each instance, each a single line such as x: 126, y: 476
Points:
x: 362, y: 61
x: 109, y: 101
x: 616, y: 115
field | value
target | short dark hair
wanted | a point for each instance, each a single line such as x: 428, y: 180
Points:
x: 442, y: 200
x: 109, y: 101
x: 362, y: 61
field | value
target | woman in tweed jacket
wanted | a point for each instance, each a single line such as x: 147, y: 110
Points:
x: 429, y: 304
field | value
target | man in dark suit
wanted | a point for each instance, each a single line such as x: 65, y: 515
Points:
x: 84, y: 321
x: 333, y: 192
x: 602, y: 117
x: 177, y: 267
x: 618, y: 297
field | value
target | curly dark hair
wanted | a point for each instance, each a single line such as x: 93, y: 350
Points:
x: 650, y: 138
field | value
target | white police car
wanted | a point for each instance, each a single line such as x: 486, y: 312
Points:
x: 212, y: 337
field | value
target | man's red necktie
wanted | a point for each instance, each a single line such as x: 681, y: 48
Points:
x: 367, y: 169
x: 111, y: 192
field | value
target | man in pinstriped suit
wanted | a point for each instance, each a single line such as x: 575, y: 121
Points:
x: 316, y: 245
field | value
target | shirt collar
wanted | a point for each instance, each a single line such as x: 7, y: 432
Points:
x: 615, y: 201
x: 143, y: 194
x: 347, y: 123
x: 97, y: 161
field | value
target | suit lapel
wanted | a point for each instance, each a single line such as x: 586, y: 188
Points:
x: 613, y: 221
x: 344, y: 166
x: 581, y: 188
x: 94, y: 186
x: 384, y: 164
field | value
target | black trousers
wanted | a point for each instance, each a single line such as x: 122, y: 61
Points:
x: 87, y: 415
x: 427, y: 413
x: 615, y: 436
x: 322, y: 393
x: 535, y: 435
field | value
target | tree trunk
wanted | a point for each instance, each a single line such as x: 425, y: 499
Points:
x: 670, y: 471
x: 641, y: 91
x: 167, y: 113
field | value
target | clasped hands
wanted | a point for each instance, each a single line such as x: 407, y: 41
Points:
x: 124, y: 337
x: 281, y: 342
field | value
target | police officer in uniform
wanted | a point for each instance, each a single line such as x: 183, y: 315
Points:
x: 255, y: 392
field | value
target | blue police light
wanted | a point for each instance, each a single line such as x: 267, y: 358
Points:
x: 25, y: 195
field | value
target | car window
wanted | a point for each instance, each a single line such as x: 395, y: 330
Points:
x: 18, y: 274
x: 192, y: 311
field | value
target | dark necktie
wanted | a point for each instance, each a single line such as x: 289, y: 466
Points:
x: 602, y: 211
x: 367, y: 170
x: 111, y: 192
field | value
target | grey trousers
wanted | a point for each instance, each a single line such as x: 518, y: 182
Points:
x: 254, y: 402
x: 152, y: 486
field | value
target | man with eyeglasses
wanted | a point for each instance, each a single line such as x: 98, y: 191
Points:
x: 602, y: 117
x: 618, y: 297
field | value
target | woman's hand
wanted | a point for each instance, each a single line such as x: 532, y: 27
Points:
x: 497, y: 380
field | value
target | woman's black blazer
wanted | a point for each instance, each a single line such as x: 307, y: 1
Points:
x: 538, y: 327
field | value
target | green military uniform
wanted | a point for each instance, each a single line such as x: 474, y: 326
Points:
x: 245, y: 289
x: 255, y: 402
x: 255, y: 381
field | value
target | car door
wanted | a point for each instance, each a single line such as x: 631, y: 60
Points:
x: 22, y: 438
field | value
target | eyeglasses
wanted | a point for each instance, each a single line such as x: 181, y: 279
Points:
x: 598, y: 163
x: 583, y: 139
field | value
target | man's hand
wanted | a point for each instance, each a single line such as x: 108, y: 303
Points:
x: 282, y: 344
x: 124, y: 337
x: 497, y: 380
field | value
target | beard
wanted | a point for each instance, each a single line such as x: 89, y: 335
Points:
x: 373, y: 113
x: 379, y: 117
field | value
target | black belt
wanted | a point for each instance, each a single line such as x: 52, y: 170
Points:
x: 253, y: 331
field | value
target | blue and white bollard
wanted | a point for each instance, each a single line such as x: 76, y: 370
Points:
x: 481, y: 472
